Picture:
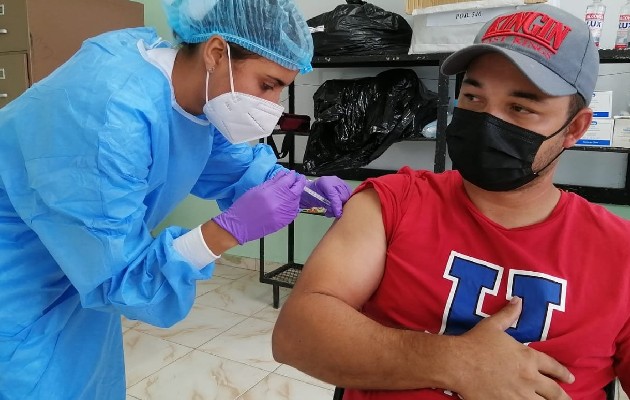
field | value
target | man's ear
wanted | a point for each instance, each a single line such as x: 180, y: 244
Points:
x: 213, y: 52
x: 578, y: 127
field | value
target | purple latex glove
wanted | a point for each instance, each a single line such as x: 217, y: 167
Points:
x: 264, y: 209
x: 331, y: 188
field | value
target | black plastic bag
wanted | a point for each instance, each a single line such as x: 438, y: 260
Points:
x: 360, y: 28
x: 357, y: 120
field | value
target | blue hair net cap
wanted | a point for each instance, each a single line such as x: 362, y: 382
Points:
x: 274, y: 29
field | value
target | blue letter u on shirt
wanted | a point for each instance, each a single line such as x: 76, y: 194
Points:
x: 473, y: 279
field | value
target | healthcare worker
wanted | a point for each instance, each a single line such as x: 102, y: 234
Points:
x: 93, y: 157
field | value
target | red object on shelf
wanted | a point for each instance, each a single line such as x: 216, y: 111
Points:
x: 294, y: 123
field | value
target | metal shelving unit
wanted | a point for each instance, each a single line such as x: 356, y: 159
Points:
x: 287, y: 275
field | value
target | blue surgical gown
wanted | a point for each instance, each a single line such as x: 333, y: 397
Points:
x: 92, y: 158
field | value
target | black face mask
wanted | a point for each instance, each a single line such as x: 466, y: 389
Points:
x: 491, y: 153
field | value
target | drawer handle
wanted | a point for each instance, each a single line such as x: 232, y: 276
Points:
x: 3, y: 31
x: 3, y: 95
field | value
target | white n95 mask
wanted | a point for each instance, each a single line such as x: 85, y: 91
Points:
x: 241, y: 117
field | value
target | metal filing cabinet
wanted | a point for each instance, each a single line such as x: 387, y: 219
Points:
x: 37, y: 36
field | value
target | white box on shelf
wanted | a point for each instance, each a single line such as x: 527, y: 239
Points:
x: 415, y: 4
x: 601, y: 104
x: 621, y: 132
x: 599, y: 134
x: 450, y: 27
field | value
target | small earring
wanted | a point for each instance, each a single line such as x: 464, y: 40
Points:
x: 211, y: 70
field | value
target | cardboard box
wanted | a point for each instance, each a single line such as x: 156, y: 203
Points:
x: 599, y: 134
x: 37, y: 36
x: 621, y: 133
x: 415, y: 4
x: 601, y: 104
x: 58, y: 28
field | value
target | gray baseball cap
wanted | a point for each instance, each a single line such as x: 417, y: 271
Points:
x: 552, y: 47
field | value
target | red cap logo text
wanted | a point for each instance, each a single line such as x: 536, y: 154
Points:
x: 533, y: 30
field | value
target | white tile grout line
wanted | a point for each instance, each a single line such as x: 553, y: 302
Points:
x: 275, y: 371
x: 284, y: 376
x: 213, y: 355
x: 303, y: 381
x: 234, y: 361
x: 214, y: 337
x: 240, y: 396
x: 197, y: 348
x: 225, y: 358
x: 153, y: 373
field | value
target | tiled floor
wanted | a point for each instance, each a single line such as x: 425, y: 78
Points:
x: 221, y: 351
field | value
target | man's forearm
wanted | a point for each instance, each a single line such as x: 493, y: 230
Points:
x: 329, y: 340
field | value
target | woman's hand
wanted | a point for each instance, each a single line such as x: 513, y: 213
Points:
x: 264, y: 209
x: 331, y: 188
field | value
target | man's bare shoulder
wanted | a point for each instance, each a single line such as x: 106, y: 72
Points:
x: 348, y: 262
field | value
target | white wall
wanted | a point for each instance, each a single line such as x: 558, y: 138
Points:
x: 594, y: 169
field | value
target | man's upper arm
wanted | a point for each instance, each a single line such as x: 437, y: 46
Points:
x: 349, y: 261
